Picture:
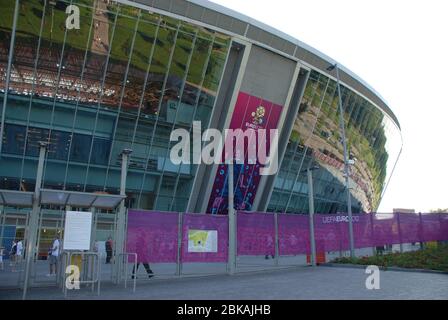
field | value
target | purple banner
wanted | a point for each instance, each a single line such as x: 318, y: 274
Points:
x: 327, y: 232
x: 432, y: 227
x: 444, y: 224
x: 255, y: 234
x: 152, y: 235
x: 362, y: 231
x: 410, y: 227
x: 385, y: 229
x: 293, y: 234
x: 206, y: 223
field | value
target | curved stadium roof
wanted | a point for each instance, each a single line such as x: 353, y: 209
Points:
x: 235, y: 23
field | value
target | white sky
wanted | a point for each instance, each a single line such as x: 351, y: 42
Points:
x: 401, y: 49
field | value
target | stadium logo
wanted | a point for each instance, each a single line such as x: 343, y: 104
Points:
x: 258, y: 116
x: 338, y: 219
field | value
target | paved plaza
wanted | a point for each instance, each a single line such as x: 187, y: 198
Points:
x: 290, y: 283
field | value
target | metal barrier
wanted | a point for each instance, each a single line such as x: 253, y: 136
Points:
x: 123, y: 262
x: 90, y: 271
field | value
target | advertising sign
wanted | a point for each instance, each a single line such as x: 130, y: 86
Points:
x: 77, y: 232
x: 202, y: 241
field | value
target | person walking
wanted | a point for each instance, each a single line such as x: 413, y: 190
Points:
x: 109, y: 244
x: 2, y: 249
x: 53, y: 256
x: 147, y: 268
x: 12, y: 254
x: 142, y: 256
x: 18, y: 255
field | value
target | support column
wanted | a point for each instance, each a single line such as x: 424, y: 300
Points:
x: 34, y: 219
x: 180, y: 223
x: 277, y: 249
x: 121, y: 214
x: 399, y: 232
x: 2, y: 223
x: 372, y: 233
x: 311, y: 216
x: 232, y: 222
x: 421, y: 231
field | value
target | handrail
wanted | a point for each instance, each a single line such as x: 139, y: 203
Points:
x: 121, y: 261
x: 68, y: 257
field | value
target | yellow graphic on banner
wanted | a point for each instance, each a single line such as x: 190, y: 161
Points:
x: 202, y: 241
x: 199, y: 238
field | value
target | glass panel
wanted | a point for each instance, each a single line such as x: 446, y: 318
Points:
x: 80, y: 148
x: 102, y: 150
x: 140, y: 60
x: 121, y: 49
x: 14, y: 139
x: 158, y: 69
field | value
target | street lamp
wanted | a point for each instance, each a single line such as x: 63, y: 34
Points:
x: 346, y: 161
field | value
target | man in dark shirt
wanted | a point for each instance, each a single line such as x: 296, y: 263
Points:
x: 108, y: 249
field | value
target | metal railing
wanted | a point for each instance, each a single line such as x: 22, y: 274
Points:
x: 89, y: 273
x: 123, y: 266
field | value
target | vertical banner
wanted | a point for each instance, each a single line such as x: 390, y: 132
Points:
x: 250, y: 113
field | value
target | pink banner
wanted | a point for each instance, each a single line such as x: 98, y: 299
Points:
x: 385, y: 229
x: 432, y: 227
x: 327, y: 232
x: 410, y: 227
x: 444, y: 224
x: 362, y: 232
x: 255, y: 233
x: 293, y: 234
x: 206, y: 223
x: 152, y: 235
x: 250, y: 113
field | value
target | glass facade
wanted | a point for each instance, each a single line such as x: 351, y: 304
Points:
x: 125, y: 79
x: 128, y: 77
x: 373, y: 144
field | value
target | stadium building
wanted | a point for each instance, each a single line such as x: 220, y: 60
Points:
x: 136, y: 70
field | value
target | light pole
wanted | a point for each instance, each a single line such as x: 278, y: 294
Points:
x: 346, y: 164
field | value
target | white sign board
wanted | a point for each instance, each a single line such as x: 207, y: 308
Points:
x: 202, y: 241
x: 78, y: 228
